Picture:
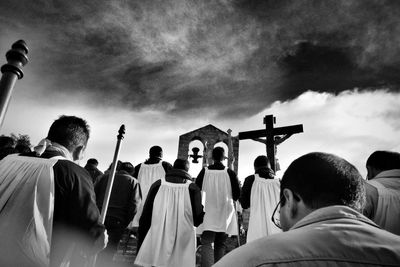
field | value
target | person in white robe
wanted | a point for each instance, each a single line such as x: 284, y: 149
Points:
x: 153, y: 169
x: 173, y: 209
x: 47, y: 202
x: 260, y: 193
x: 220, y: 188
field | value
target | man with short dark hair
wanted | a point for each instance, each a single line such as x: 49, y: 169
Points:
x: 260, y: 193
x: 35, y: 184
x: 173, y: 208
x: 91, y: 167
x: 383, y: 190
x: 221, y: 188
x: 321, y: 199
x: 124, y: 200
x: 153, y: 169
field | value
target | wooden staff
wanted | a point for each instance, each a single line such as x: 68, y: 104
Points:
x: 110, y: 182
x: 16, y: 58
x: 231, y: 159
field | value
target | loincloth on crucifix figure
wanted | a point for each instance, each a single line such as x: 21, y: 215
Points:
x: 278, y: 139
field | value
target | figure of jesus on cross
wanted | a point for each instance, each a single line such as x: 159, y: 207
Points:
x: 273, y: 137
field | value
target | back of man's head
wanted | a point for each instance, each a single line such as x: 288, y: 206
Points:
x: 261, y: 162
x: 182, y: 164
x: 322, y: 180
x: 128, y: 167
x: 93, y: 161
x: 384, y: 160
x: 218, y: 153
x: 69, y: 131
x: 156, y: 152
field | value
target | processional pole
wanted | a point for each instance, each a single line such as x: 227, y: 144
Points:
x: 231, y: 159
x: 16, y: 58
x: 110, y: 182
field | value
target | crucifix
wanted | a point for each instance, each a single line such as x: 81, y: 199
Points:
x: 273, y: 136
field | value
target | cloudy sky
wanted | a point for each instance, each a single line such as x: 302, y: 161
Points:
x: 164, y: 68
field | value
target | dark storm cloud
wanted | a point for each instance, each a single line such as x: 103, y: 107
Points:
x: 233, y: 58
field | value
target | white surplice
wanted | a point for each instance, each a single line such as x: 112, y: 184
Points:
x: 26, y: 210
x: 263, y: 200
x: 148, y: 174
x: 220, y: 215
x: 171, y: 239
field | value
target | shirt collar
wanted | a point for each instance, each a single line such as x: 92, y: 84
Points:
x: 332, y: 212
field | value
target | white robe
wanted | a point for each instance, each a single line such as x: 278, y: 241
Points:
x: 220, y: 215
x: 26, y: 210
x: 263, y: 199
x: 171, y: 239
x: 148, y: 174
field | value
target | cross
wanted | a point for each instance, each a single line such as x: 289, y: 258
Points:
x: 195, y: 155
x: 273, y: 136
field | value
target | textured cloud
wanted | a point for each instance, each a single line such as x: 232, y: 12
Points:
x: 221, y: 58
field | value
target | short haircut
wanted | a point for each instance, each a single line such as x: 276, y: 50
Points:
x: 218, y: 153
x: 181, y: 164
x: 323, y: 180
x: 261, y: 161
x: 6, y: 142
x: 155, y: 152
x: 92, y: 161
x: 69, y: 131
x: 384, y: 160
x: 128, y: 167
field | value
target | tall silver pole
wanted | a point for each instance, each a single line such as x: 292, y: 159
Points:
x: 16, y: 58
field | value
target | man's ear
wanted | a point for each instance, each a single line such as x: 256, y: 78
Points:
x: 292, y: 201
x: 78, y: 152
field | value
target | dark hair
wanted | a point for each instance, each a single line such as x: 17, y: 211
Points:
x: 181, y: 164
x: 119, y: 163
x: 69, y: 131
x: 323, y: 179
x: 384, y: 160
x: 218, y: 153
x: 6, y: 142
x: 92, y: 161
x: 155, y: 152
x: 22, y: 148
x: 128, y: 167
x: 261, y: 161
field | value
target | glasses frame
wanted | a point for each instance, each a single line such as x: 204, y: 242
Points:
x: 277, y: 223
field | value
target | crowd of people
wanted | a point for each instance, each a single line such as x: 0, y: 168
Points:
x: 321, y: 213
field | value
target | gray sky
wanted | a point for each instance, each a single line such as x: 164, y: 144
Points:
x: 171, y: 66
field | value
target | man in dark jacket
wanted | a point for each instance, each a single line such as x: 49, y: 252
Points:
x: 91, y: 167
x: 124, y: 199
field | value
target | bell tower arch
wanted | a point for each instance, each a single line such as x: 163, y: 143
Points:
x: 209, y: 136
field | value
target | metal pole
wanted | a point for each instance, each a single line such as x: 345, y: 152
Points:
x: 16, y: 58
x: 110, y: 182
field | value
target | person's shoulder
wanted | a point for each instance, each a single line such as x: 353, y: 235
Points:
x: 70, y: 168
x: 166, y: 164
x: 250, y: 254
x: 249, y: 178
